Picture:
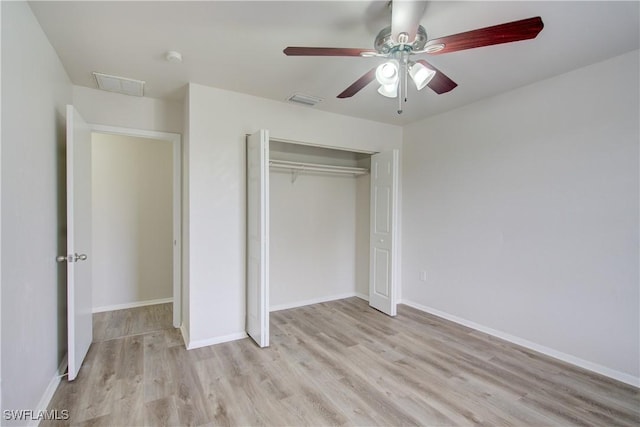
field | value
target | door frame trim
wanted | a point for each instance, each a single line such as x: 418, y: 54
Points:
x: 176, y: 141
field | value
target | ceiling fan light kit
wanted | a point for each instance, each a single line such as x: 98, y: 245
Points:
x: 393, y: 74
x: 420, y: 75
x: 387, y: 73
x: 389, y: 76
x: 390, y: 91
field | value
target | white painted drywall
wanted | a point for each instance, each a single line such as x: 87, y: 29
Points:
x: 114, y: 109
x: 215, y: 195
x: 1, y: 407
x: 523, y: 211
x: 185, y: 297
x: 363, y: 204
x: 35, y: 90
x: 312, y: 238
x: 132, y: 220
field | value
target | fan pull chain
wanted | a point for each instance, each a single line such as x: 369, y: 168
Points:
x: 402, y: 84
x: 406, y: 78
x: 400, y: 93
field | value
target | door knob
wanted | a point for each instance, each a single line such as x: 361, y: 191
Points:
x: 71, y: 258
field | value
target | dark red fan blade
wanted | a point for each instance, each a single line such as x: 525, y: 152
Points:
x: 440, y: 83
x: 359, y: 84
x: 325, y: 51
x: 503, y: 33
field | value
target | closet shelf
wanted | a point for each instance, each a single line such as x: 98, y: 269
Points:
x: 316, y: 167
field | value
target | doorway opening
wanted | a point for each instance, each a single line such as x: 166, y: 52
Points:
x: 136, y: 220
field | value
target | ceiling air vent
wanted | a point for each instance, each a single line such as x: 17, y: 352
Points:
x: 119, y: 84
x: 308, y: 100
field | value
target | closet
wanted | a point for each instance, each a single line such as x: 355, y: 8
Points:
x: 318, y: 223
x: 321, y: 225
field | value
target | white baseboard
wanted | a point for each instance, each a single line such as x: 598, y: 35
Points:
x: 62, y: 369
x: 312, y: 301
x: 590, y: 366
x: 362, y: 296
x: 185, y: 335
x: 131, y: 305
x: 215, y: 340
x: 50, y: 391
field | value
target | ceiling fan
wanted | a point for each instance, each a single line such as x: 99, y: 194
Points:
x: 405, y: 38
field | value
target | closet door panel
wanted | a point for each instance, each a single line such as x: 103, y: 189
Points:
x: 383, y: 237
x: 381, y: 286
x: 257, y: 269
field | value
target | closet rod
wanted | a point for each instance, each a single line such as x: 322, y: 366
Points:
x: 315, y: 167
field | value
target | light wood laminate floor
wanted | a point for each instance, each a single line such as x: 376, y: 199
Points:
x: 339, y: 363
x: 133, y: 321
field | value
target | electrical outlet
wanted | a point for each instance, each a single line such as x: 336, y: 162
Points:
x: 423, y: 276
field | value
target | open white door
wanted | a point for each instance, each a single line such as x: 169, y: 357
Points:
x: 383, y: 237
x: 258, y: 237
x: 79, y: 318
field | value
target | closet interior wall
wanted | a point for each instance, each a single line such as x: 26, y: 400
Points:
x: 319, y: 227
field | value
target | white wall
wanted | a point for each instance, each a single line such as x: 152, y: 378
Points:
x: 214, y: 162
x: 312, y: 238
x: 363, y: 199
x: 132, y: 220
x: 35, y: 90
x: 1, y: 407
x: 114, y: 109
x: 523, y: 210
x: 185, y: 296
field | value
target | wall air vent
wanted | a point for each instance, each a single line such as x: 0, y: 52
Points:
x: 308, y: 100
x: 119, y: 84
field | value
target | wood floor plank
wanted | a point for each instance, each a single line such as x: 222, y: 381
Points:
x: 157, y: 374
x: 161, y: 412
x: 187, y: 390
x: 219, y: 401
x: 334, y: 363
x: 98, y: 398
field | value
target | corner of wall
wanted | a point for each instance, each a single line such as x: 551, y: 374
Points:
x: 186, y: 302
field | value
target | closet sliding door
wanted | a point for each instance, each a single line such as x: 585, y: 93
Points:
x: 258, y: 237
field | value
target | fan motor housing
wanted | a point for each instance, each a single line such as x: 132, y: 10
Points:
x: 385, y: 44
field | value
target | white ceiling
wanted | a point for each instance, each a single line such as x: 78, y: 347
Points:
x: 238, y: 46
